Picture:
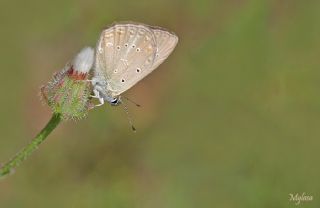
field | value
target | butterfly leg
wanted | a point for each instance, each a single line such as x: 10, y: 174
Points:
x: 97, y: 95
x: 101, y: 100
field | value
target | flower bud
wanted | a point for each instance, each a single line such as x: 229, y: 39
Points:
x: 68, y: 92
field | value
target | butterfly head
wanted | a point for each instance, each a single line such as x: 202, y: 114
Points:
x: 115, y: 101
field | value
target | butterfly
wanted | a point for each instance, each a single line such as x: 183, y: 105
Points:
x: 125, y: 54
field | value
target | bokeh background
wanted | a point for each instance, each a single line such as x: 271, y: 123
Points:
x: 231, y: 119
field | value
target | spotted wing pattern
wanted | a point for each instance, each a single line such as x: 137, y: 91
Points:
x: 125, y: 54
x: 128, y: 52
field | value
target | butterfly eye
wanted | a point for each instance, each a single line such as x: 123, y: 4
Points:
x: 138, y: 49
x: 115, y: 101
x: 118, y: 47
x: 133, y: 46
x: 126, y: 45
x: 138, y: 70
x: 122, y: 80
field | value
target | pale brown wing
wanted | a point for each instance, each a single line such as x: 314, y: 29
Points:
x: 125, y: 54
x: 166, y: 43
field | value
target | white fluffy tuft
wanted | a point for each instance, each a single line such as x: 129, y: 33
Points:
x: 83, y: 62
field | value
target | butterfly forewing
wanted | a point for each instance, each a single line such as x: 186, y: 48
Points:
x: 125, y: 55
x: 166, y: 42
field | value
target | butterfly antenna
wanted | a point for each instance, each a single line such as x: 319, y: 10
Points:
x: 138, y: 105
x: 129, y: 117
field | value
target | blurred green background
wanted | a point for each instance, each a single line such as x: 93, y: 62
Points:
x: 231, y: 119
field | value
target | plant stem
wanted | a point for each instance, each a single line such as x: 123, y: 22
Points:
x: 33, y: 145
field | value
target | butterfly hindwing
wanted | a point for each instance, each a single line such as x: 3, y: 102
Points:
x: 125, y: 55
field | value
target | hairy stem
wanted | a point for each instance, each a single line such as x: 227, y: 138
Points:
x: 33, y: 145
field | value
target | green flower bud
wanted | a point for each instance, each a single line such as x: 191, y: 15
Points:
x: 69, y: 91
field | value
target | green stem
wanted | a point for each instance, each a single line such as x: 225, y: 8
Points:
x: 33, y: 145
